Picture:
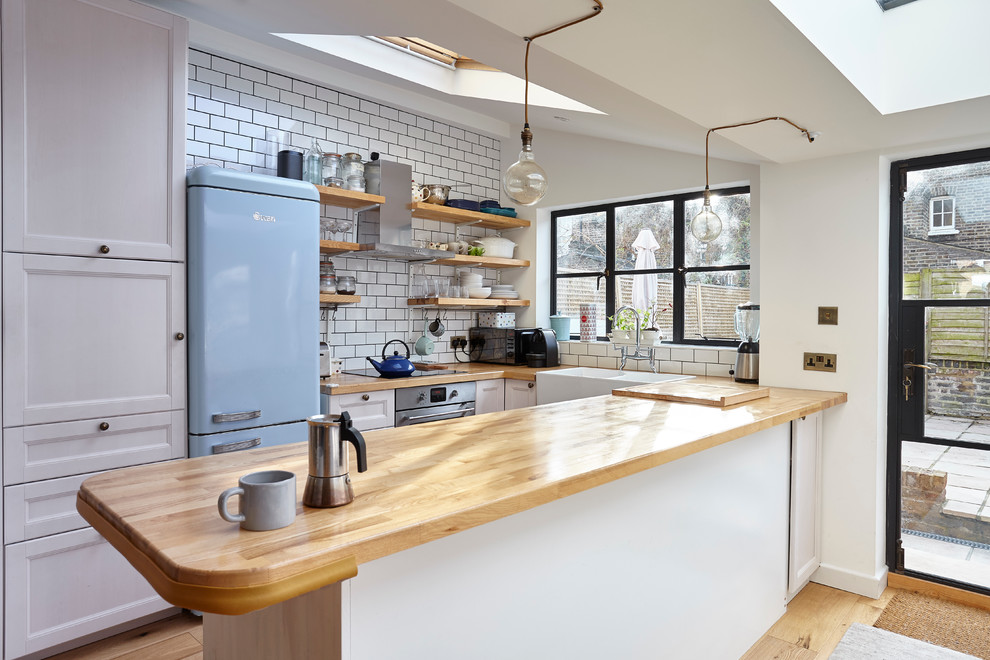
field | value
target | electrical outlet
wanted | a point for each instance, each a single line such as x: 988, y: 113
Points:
x: 819, y: 361
x: 458, y: 342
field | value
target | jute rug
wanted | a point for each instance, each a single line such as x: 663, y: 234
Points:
x: 943, y: 623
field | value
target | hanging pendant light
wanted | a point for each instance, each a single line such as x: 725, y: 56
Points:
x: 707, y: 226
x: 525, y: 182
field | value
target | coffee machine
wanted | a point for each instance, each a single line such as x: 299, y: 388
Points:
x: 540, y: 348
x: 748, y: 354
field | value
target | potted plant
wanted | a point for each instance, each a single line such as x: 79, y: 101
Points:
x: 623, y: 329
x: 651, y: 334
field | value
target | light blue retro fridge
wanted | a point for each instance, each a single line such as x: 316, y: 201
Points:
x: 253, y: 309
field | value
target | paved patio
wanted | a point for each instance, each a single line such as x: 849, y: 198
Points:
x: 967, y: 493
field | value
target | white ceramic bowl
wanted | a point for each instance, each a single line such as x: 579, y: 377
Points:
x: 480, y: 292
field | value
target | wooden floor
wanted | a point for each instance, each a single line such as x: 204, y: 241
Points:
x: 815, y: 621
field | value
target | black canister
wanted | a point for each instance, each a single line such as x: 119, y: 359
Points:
x: 290, y: 164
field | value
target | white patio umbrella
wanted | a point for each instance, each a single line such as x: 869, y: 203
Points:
x: 644, y: 291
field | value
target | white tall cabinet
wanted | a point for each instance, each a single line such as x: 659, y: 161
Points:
x: 93, y: 285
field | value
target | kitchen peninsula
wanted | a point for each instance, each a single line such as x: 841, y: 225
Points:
x: 610, y: 525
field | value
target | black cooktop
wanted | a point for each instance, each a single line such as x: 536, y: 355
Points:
x: 374, y: 374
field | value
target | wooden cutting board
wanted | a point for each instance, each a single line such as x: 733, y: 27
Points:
x: 707, y: 394
x: 429, y: 366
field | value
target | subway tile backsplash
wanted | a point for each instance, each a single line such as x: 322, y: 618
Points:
x: 231, y: 105
x: 670, y: 360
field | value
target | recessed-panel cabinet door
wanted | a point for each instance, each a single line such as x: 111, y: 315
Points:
x: 489, y: 396
x: 519, y: 394
x: 89, y: 338
x: 69, y: 585
x: 804, y: 556
x: 93, y: 145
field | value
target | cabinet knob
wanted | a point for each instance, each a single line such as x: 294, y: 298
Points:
x: 365, y: 397
x: 104, y: 426
x: 104, y: 249
x: 180, y: 336
x: 531, y: 385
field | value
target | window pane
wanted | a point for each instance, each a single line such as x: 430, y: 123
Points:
x: 572, y: 291
x: 731, y: 248
x: 954, y: 262
x: 630, y: 221
x: 663, y: 298
x: 710, y: 301
x: 581, y: 243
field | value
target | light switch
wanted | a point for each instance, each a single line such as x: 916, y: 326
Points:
x: 828, y: 316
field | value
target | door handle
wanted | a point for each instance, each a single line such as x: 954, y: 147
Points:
x: 220, y: 418
x: 928, y: 366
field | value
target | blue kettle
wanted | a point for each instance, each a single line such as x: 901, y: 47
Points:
x: 394, y: 366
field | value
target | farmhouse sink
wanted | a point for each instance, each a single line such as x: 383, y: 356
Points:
x: 583, y: 382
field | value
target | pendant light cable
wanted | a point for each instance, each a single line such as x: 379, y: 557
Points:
x: 529, y: 40
x: 707, y: 226
x: 525, y: 182
x: 809, y: 135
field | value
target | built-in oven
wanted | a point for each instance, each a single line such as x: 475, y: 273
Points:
x: 429, y: 403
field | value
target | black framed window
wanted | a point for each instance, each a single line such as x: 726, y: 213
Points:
x: 598, y: 255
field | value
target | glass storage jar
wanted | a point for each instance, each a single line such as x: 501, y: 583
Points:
x: 346, y: 285
x: 351, y: 165
x: 328, y: 277
x: 331, y: 170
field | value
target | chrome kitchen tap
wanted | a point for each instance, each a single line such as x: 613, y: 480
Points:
x: 638, y: 352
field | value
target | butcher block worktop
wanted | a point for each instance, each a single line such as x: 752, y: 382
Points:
x: 349, y: 383
x: 423, y: 482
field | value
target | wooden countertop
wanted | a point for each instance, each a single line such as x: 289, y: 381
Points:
x: 423, y: 482
x: 349, y: 383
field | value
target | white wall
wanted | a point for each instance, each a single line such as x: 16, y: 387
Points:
x: 824, y: 241
x: 585, y: 171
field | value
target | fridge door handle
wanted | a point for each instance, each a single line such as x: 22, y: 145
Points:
x: 219, y: 418
x: 235, y: 446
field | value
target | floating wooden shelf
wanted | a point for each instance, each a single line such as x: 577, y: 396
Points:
x: 482, y: 262
x: 348, y: 199
x: 338, y: 299
x: 338, y: 247
x: 460, y: 216
x: 466, y: 302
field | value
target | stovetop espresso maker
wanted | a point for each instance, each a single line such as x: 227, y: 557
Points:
x: 329, y: 483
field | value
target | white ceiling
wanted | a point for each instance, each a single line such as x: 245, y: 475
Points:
x: 664, y: 71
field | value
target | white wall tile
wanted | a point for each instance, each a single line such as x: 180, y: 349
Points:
x: 683, y: 354
x: 717, y: 370
x: 693, y: 368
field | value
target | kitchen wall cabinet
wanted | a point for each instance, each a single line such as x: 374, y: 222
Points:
x: 368, y: 410
x: 88, y: 337
x: 93, y: 119
x: 489, y: 396
x: 519, y: 394
x: 804, y: 552
x: 66, y: 586
x: 92, y: 98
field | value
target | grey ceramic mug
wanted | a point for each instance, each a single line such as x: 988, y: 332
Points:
x: 268, y: 500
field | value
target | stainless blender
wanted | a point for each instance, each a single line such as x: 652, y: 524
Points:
x: 748, y: 354
x: 329, y: 483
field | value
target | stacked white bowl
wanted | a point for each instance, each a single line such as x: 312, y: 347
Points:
x: 470, y: 281
x: 506, y: 291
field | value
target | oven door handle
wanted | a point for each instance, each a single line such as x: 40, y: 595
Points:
x: 461, y: 412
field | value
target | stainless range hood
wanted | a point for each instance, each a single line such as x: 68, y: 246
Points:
x: 386, y: 231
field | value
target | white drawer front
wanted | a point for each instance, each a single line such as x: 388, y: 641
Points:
x: 48, y: 451
x: 368, y: 410
x: 62, y: 587
x: 41, y: 508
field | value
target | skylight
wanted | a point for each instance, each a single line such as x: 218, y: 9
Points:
x: 417, y: 60
x: 890, y: 4
x: 923, y: 54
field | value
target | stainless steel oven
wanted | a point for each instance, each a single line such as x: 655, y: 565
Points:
x: 429, y: 403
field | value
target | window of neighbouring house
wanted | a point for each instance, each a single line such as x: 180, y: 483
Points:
x: 942, y: 216
x: 641, y: 253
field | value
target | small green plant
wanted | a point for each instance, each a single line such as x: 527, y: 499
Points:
x: 653, y: 314
x: 476, y: 251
